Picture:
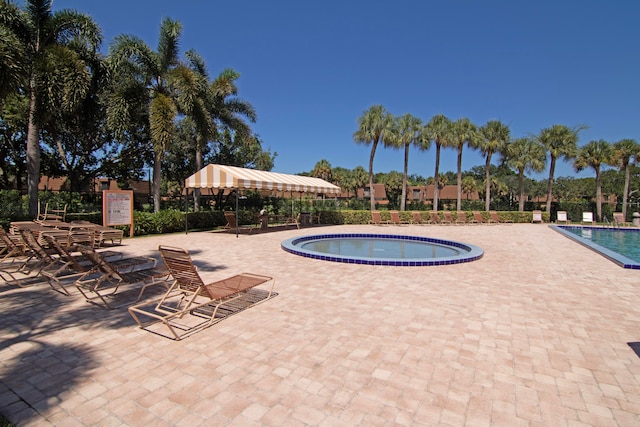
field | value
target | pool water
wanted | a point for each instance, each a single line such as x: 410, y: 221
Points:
x: 624, y: 242
x: 620, y: 245
x: 380, y: 248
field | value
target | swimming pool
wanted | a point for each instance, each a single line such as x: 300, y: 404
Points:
x: 620, y: 245
x: 382, y: 249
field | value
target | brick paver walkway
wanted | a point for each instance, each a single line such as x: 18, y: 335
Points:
x: 535, y: 333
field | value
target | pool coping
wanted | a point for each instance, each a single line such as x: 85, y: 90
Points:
x: 474, y: 252
x: 613, y: 256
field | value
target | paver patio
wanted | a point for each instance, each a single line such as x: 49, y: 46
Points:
x: 535, y: 333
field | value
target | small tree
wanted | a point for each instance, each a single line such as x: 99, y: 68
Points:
x: 595, y: 154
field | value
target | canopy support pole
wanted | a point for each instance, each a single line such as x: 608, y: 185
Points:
x: 186, y: 209
x: 237, y: 232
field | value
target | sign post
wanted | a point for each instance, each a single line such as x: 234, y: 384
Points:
x: 117, y: 208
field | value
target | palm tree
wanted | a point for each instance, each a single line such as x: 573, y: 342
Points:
x: 12, y: 55
x: 595, y: 154
x: 622, y: 152
x: 525, y: 154
x: 322, y: 170
x: 407, y: 131
x: 160, y: 73
x: 373, y: 126
x: 469, y: 185
x: 360, y: 177
x: 208, y: 104
x: 559, y: 141
x: 437, y: 130
x: 50, y: 56
x: 462, y: 132
x: 494, y: 136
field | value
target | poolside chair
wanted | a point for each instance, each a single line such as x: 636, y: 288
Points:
x: 232, y: 224
x: 495, y: 218
x: 101, y: 234
x: 587, y: 218
x: 536, y: 217
x: 70, y: 266
x: 416, y: 218
x: 51, y: 214
x: 103, y: 281
x: 562, y: 218
x: 434, y: 218
x: 63, y: 269
x: 396, y: 220
x: 461, y: 218
x: 43, y: 255
x: 479, y: 219
x: 376, y: 219
x: 190, y: 304
x: 619, y: 220
x: 15, y: 258
x: 447, y: 218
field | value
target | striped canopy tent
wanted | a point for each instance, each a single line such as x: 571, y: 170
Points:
x: 222, y: 176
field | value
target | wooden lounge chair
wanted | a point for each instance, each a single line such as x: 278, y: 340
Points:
x: 376, y: 219
x: 434, y: 218
x: 15, y: 258
x: 479, y: 219
x: 51, y: 214
x: 396, y: 220
x: 232, y: 224
x: 70, y: 266
x: 447, y: 218
x: 561, y: 218
x: 619, y: 220
x: 100, y: 233
x: 536, y: 217
x: 190, y: 304
x: 43, y: 256
x: 104, y: 281
x: 416, y: 218
x: 461, y: 218
x: 495, y: 218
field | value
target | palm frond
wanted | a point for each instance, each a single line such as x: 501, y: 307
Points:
x: 197, y: 63
x: 162, y: 114
x: 67, y: 25
x: 168, y: 45
x: 126, y: 48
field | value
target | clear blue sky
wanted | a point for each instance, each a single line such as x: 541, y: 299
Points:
x: 311, y: 68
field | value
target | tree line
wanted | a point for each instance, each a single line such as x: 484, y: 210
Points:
x: 522, y: 155
x: 68, y: 110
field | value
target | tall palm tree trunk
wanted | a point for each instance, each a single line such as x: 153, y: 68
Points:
x: 487, y: 178
x: 372, y: 197
x: 625, y: 194
x: 436, y: 183
x: 157, y: 171
x: 521, y: 190
x: 403, y: 202
x: 33, y: 153
x: 459, y: 204
x: 598, y: 195
x: 552, y: 168
x: 199, y: 166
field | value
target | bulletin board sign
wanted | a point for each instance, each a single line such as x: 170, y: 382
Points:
x: 117, y: 208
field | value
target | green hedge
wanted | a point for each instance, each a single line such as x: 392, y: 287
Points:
x: 172, y: 220
x: 363, y: 217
